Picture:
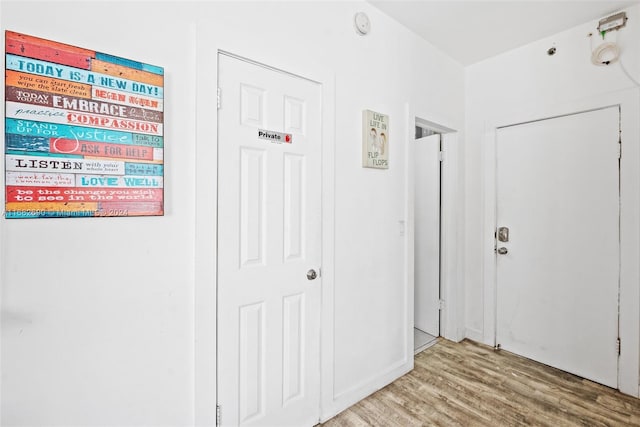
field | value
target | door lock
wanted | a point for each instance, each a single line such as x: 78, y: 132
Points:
x: 311, y: 274
x: 503, y: 234
x: 503, y: 251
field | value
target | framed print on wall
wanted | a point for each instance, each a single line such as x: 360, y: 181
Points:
x: 83, y: 132
x: 375, y: 140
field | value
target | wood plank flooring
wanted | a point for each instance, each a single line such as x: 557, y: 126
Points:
x: 469, y: 384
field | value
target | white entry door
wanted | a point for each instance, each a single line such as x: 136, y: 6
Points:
x: 557, y: 283
x: 427, y: 235
x: 269, y: 247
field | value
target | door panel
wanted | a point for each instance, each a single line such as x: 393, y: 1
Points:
x: 269, y: 229
x: 252, y: 206
x: 557, y: 286
x: 427, y: 235
x: 293, y: 326
x: 251, y: 367
x: 294, y: 196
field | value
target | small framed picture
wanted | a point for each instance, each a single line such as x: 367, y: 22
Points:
x: 375, y: 140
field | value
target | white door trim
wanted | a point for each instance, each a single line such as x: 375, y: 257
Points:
x: 206, y: 220
x: 629, y: 102
x: 452, y: 241
x: 206, y: 195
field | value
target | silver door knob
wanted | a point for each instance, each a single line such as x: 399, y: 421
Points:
x: 502, y: 251
x: 311, y: 274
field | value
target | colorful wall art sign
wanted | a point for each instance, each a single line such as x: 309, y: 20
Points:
x: 83, y: 132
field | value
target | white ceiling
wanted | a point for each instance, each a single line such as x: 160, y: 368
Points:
x: 473, y: 30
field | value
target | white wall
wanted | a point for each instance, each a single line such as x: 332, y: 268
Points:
x: 111, y: 321
x: 527, y: 79
x: 97, y: 314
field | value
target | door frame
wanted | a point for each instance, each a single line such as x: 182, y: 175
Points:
x: 530, y: 137
x: 451, y: 248
x: 204, y: 91
x: 629, y: 309
x: 313, y: 362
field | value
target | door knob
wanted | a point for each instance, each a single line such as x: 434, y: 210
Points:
x: 503, y: 251
x: 311, y: 274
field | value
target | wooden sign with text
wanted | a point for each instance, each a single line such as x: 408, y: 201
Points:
x: 84, y: 132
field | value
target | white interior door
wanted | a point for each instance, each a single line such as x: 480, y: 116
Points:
x: 557, y: 286
x: 427, y: 235
x: 269, y: 230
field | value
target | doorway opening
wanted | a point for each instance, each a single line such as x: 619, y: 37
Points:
x: 427, y: 238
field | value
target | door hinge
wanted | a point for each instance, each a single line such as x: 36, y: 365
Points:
x: 618, y: 346
x: 219, y: 98
x: 620, y: 150
x: 218, y: 415
x: 441, y: 156
x: 441, y: 304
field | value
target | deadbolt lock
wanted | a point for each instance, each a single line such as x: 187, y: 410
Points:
x: 503, y: 234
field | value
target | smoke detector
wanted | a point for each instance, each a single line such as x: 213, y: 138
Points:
x: 362, y: 23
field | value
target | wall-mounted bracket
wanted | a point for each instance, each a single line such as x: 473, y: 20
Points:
x: 612, y: 23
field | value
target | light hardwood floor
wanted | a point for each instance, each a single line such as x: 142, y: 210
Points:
x: 469, y: 384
